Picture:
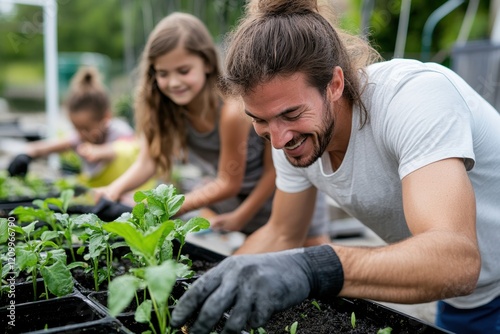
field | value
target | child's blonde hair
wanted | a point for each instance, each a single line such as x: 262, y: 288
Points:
x: 163, y: 122
x: 87, y: 92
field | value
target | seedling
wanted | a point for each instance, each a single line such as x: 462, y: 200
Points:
x: 97, y: 242
x: 386, y: 330
x: 316, y: 304
x: 353, y: 320
x: 149, y: 232
x: 58, y: 222
x: 293, y: 328
x: 43, y: 256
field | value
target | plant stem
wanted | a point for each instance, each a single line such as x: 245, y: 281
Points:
x: 160, y: 317
x: 34, y: 274
x: 46, y: 290
x: 96, y: 279
x: 109, y: 258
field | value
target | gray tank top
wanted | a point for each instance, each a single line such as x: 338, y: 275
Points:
x: 204, y: 151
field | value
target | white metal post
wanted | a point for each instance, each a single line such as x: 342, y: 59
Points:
x: 49, y: 8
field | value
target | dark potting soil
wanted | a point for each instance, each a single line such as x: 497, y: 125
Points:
x: 49, y: 314
x: 24, y: 293
x: 323, y: 320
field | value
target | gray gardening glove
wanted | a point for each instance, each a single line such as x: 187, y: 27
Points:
x: 256, y: 286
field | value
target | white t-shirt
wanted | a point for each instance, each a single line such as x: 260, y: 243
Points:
x: 418, y: 114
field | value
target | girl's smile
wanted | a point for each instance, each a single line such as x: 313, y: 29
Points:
x: 180, y: 75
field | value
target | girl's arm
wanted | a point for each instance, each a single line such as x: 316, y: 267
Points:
x: 96, y: 152
x: 43, y: 148
x: 234, y: 129
x: 137, y: 174
x: 236, y: 220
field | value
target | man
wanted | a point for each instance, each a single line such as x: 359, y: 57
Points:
x: 407, y: 148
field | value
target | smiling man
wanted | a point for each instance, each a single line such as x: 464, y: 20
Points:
x: 408, y: 148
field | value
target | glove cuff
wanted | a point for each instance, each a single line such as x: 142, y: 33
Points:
x: 327, y: 273
x: 26, y: 157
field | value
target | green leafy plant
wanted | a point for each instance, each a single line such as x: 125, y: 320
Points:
x: 15, y: 188
x: 57, y: 221
x: 353, y: 320
x: 42, y: 257
x: 98, y: 244
x: 386, y: 330
x: 149, y: 231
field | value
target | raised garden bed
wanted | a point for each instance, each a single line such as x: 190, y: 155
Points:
x: 161, y: 261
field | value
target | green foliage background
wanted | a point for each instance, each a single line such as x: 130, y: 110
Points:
x: 99, y: 26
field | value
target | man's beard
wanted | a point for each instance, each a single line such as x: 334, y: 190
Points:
x: 323, y: 138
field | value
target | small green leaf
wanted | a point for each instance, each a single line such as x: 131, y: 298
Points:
x: 66, y: 197
x: 194, y: 224
x: 160, y: 280
x: 139, y: 196
x: 96, y: 245
x: 25, y: 258
x: 386, y: 330
x: 49, y: 235
x: 58, y: 278
x: 139, y: 210
x: 57, y: 255
x: 121, y: 290
x: 29, y: 228
x: 88, y: 220
x: 293, y: 327
x: 4, y: 230
x: 77, y: 264
x: 353, y: 320
x: 143, y: 312
x: 315, y: 304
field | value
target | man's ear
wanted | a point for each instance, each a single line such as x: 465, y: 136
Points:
x: 336, y: 86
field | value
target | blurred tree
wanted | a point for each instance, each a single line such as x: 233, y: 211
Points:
x: 385, y: 18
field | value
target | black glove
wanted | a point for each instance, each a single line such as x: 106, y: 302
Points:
x: 19, y: 165
x: 256, y: 286
x: 105, y: 209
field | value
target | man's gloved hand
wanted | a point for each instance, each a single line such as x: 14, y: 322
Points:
x: 105, y: 209
x: 19, y: 165
x: 256, y: 286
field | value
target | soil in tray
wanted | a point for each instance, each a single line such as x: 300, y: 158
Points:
x: 85, y: 281
x: 99, y: 328
x: 334, y: 316
x: 49, y: 314
x: 24, y: 293
x: 323, y: 320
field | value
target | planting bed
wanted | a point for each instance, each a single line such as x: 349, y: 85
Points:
x: 90, y: 289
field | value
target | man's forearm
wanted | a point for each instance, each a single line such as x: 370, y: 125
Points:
x: 430, y: 266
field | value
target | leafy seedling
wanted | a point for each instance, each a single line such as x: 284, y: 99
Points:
x: 316, y: 304
x: 44, y: 257
x: 353, y: 320
x: 293, y: 328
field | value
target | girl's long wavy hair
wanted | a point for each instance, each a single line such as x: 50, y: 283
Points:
x: 158, y: 118
x: 283, y: 37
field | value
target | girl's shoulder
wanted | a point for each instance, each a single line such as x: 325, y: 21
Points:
x: 233, y: 112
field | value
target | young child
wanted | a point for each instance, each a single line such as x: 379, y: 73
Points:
x: 104, y: 143
x: 182, y: 117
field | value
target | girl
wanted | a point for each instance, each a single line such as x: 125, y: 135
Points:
x: 103, y: 142
x: 181, y: 117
